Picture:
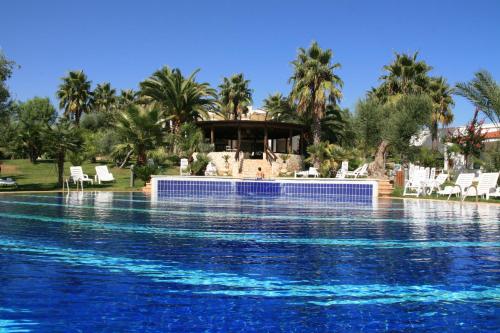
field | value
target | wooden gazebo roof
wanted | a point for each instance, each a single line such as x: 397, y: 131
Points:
x: 228, y: 129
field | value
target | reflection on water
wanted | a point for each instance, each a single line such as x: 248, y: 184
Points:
x: 121, y: 262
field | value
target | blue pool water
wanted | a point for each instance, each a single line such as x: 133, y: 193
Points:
x: 120, y: 262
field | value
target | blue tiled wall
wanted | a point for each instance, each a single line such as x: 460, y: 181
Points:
x: 339, y: 192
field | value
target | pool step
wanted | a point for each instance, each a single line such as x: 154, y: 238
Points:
x: 147, y: 188
x: 384, y: 188
x: 250, y: 167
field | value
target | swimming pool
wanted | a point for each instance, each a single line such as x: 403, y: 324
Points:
x: 121, y: 262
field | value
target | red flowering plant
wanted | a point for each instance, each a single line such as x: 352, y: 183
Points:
x: 470, y: 141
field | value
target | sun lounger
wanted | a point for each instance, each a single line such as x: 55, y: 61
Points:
x: 184, y: 167
x: 496, y: 193
x: 359, y: 172
x: 436, y: 183
x: 103, y: 174
x: 307, y: 173
x: 415, y: 185
x: 8, y: 182
x: 463, y: 182
x: 486, y: 185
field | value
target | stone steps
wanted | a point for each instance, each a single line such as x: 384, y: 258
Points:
x: 250, y: 167
x: 385, y: 188
x: 147, y: 188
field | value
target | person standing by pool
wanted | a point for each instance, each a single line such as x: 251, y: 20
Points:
x: 260, y: 174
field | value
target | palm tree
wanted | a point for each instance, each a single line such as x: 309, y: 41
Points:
x: 315, y: 85
x: 74, y: 95
x: 127, y: 97
x: 181, y: 99
x: 484, y: 92
x: 104, y: 97
x: 141, y: 129
x: 405, y: 75
x: 442, y: 101
x: 279, y: 108
x: 235, y: 95
x: 61, y: 138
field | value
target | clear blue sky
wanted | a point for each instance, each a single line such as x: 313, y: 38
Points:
x: 123, y: 42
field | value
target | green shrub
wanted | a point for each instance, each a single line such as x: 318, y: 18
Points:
x: 76, y: 158
x: 144, y: 172
x: 200, y: 164
x: 160, y: 157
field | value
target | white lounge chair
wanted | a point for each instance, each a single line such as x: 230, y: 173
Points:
x: 103, y: 174
x: 496, y: 193
x: 77, y: 176
x: 436, y: 183
x: 463, y: 182
x: 343, y: 170
x: 415, y: 185
x: 307, y: 173
x: 8, y: 182
x: 359, y: 172
x: 211, y: 169
x: 184, y: 168
x: 486, y: 185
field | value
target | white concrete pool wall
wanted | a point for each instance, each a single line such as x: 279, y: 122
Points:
x: 372, y: 182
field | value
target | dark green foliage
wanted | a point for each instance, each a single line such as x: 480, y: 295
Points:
x: 181, y: 99
x: 428, y: 157
x: 315, y: 85
x: 74, y: 95
x: 395, y: 122
x: 30, y: 121
x: 141, y: 129
x: 6, y: 68
x: 144, y: 172
x: 200, y: 164
x: 404, y: 119
x: 95, y: 121
x: 484, y: 92
x: 61, y: 138
x: 234, y: 96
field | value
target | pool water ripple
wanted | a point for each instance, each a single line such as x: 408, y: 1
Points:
x: 121, y: 262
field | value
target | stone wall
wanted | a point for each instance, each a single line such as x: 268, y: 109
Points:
x: 294, y: 163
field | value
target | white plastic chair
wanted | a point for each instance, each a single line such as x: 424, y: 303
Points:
x: 211, y: 169
x: 463, y: 182
x: 485, y: 186
x: 344, y: 168
x: 184, y: 168
x: 78, y: 176
x: 360, y: 171
x: 103, y: 174
x: 313, y: 172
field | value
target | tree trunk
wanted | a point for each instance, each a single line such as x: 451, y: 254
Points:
x: 377, y: 167
x: 78, y: 114
x: 316, y: 134
x: 60, y: 167
x: 141, y: 157
x: 33, y: 155
x: 235, y: 111
x: 434, y: 136
x: 126, y: 158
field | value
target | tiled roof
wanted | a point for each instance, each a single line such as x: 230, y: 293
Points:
x: 492, y: 135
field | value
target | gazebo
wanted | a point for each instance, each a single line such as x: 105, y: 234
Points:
x: 256, y: 139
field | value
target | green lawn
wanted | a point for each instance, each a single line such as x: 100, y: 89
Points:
x: 42, y: 176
